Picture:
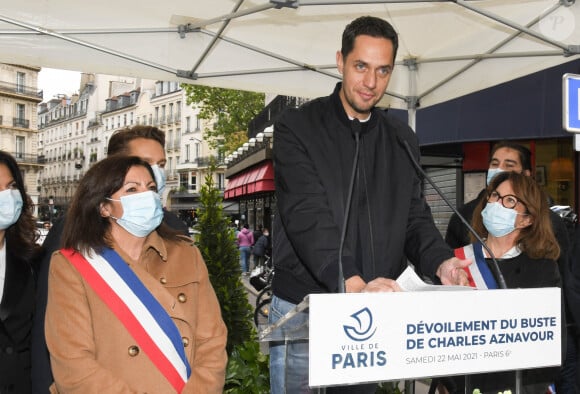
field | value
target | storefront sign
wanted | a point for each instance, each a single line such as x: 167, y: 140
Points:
x: 571, y: 102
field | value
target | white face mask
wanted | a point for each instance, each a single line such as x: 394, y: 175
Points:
x: 491, y: 172
x: 499, y: 220
x: 142, y: 213
x: 10, y: 207
x: 160, y: 178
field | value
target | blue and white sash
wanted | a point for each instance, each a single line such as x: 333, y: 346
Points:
x: 478, y: 273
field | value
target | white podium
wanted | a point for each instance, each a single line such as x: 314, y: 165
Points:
x: 374, y: 337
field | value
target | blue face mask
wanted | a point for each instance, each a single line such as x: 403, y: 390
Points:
x: 499, y: 220
x: 142, y: 213
x: 491, y: 172
x: 10, y: 207
x: 160, y: 178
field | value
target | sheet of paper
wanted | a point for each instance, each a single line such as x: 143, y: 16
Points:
x: 410, y: 281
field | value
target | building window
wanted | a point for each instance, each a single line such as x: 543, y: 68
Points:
x: 193, y: 182
x: 197, y: 124
x: 221, y: 181
x: 187, y: 153
x: 169, y: 142
x: 20, y: 111
x: 183, y: 180
x: 20, y: 82
x: 20, y: 147
x: 188, y: 124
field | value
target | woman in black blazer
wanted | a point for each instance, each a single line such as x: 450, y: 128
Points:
x: 18, y: 253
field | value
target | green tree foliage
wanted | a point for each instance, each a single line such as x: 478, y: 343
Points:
x: 247, y: 370
x: 217, y: 246
x: 230, y: 112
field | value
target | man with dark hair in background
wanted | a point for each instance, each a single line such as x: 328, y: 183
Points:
x: 146, y: 142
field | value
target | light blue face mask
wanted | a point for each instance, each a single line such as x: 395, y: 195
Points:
x: 491, y: 172
x: 142, y: 213
x: 10, y: 207
x: 160, y: 178
x: 499, y: 220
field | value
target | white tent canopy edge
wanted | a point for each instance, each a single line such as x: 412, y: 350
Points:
x: 447, y: 48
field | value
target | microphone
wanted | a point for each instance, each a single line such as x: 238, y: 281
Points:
x: 356, y: 130
x: 494, y: 266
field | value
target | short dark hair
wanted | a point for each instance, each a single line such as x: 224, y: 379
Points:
x: 368, y: 26
x: 523, y: 152
x: 119, y: 142
x: 84, y: 227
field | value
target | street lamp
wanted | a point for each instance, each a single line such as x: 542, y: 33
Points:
x: 50, y: 209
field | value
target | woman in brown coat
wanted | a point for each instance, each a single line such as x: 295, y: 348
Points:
x: 130, y: 306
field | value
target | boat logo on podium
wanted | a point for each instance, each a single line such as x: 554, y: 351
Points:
x: 364, y: 329
x: 361, y: 351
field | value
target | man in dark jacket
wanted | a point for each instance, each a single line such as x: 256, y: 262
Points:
x: 320, y: 150
x: 144, y: 141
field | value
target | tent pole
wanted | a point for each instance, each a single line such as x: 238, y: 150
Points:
x: 513, y: 25
x: 412, y: 99
x: 492, y: 50
x: 86, y: 44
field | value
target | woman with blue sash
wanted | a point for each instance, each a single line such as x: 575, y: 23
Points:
x: 515, y: 225
x: 130, y: 305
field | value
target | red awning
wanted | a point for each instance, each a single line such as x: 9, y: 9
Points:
x: 254, y: 180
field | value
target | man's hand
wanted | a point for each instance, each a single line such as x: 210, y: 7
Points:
x: 381, y: 285
x: 451, y: 272
x: 355, y: 284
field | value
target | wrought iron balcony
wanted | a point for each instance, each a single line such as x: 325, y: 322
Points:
x: 20, y: 122
x: 20, y: 89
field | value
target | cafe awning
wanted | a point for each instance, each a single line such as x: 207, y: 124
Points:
x: 256, y: 179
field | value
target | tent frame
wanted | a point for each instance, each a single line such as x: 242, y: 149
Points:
x: 187, y: 26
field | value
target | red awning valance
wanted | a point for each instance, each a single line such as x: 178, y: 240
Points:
x: 254, y: 180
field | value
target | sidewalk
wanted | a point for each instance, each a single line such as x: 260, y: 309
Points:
x: 248, y: 286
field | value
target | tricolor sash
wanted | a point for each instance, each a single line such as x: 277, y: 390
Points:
x: 478, y: 273
x: 134, y: 305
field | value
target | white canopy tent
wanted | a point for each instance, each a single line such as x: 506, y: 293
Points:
x: 447, y: 48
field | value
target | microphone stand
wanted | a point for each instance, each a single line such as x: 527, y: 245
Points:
x: 356, y: 127
x: 494, y: 267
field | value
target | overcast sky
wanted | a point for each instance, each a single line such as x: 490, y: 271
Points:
x: 52, y: 82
